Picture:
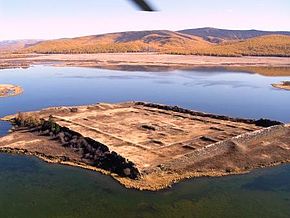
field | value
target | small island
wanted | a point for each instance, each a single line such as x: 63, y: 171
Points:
x: 8, y: 90
x: 283, y: 85
x: 148, y: 146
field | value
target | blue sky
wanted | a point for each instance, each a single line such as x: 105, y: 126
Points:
x: 47, y: 19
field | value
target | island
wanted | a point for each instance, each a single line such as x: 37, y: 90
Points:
x: 7, y: 90
x: 148, y: 146
x: 283, y: 85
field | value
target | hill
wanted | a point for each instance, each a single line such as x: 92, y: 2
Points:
x: 139, y: 41
x: 271, y: 45
x: 168, y: 42
x: 14, y: 45
x: 219, y: 35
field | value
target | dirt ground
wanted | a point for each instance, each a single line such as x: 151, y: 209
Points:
x: 164, y: 144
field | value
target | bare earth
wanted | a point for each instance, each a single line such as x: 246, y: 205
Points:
x: 149, y: 146
x: 142, y: 61
x: 8, y: 90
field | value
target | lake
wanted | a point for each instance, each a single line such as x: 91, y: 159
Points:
x: 31, y: 188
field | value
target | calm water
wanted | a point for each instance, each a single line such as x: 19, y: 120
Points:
x: 32, y: 188
x: 235, y: 94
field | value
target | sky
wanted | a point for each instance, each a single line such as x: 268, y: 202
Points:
x: 50, y: 19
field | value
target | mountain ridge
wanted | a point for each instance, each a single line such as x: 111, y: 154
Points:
x: 132, y: 41
x: 218, y: 35
x: 200, y: 41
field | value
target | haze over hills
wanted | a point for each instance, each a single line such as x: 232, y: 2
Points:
x: 203, y: 41
x: 13, y: 45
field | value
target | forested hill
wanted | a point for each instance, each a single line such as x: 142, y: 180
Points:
x: 205, y: 41
x: 219, y: 35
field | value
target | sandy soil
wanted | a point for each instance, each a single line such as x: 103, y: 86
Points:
x: 140, y: 61
x: 161, y: 144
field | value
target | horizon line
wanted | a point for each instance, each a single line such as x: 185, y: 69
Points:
x: 105, y: 33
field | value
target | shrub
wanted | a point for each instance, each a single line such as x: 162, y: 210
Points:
x: 27, y: 120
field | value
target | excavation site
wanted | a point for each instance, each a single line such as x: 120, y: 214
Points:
x: 148, y: 146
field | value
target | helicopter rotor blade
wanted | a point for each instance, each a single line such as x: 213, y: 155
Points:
x: 143, y: 5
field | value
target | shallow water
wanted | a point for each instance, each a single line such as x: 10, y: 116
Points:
x: 32, y: 188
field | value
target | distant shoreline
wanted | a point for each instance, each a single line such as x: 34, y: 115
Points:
x: 148, y: 61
